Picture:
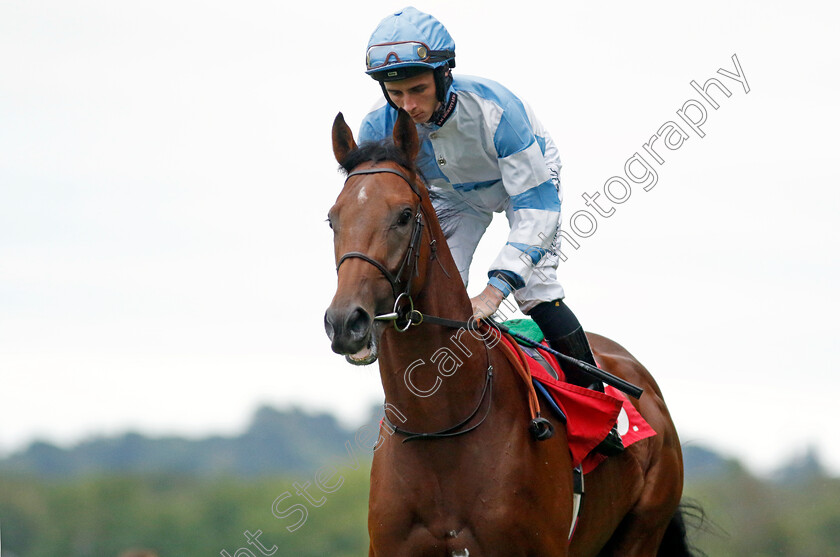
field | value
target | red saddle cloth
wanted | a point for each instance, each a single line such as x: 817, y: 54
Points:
x: 590, y: 415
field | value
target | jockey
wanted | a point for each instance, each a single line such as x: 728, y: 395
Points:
x: 483, y: 151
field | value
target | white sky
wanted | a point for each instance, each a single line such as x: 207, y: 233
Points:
x: 165, y: 173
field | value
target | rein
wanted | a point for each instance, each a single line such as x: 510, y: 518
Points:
x: 456, y: 429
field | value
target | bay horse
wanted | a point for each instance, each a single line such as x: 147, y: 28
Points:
x: 472, y: 481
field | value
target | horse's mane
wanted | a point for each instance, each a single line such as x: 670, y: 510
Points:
x: 376, y: 151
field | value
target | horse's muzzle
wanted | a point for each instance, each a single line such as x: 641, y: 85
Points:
x: 350, y: 332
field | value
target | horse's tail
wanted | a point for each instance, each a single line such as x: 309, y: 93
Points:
x: 675, y: 541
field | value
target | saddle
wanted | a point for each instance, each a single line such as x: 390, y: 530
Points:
x: 587, y: 415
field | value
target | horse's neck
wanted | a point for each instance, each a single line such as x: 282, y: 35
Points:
x: 433, y: 374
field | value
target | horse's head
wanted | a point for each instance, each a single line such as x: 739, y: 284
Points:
x: 381, y: 247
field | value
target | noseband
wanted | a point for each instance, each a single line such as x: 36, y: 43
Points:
x: 409, y: 262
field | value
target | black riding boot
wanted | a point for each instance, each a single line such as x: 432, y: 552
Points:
x: 564, y: 334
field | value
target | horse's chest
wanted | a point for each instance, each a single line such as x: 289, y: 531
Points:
x: 454, y: 521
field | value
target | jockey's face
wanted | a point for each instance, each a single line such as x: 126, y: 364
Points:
x: 416, y: 95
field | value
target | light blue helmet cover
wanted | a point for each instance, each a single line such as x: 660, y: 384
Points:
x: 410, y: 24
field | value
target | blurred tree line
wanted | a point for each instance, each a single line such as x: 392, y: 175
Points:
x: 176, y: 516
x: 248, y: 498
x: 274, y: 442
x: 796, y: 513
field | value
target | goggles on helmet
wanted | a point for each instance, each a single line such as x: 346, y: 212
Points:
x: 404, y: 52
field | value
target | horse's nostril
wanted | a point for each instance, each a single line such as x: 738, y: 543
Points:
x: 328, y: 326
x: 358, y: 322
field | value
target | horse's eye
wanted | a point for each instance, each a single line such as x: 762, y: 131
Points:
x: 329, y: 222
x: 405, y: 216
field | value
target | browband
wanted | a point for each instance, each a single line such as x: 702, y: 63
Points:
x: 390, y: 171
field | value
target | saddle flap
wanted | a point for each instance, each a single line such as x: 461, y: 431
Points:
x: 540, y: 359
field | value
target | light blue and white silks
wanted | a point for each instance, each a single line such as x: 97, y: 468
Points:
x: 491, y: 155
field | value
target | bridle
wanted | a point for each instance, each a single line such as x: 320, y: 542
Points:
x: 403, y: 316
x: 411, y: 316
x: 540, y: 427
x: 409, y: 264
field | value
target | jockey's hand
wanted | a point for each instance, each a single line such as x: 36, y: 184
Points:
x: 486, y: 303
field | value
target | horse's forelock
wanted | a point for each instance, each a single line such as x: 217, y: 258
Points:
x: 376, y: 151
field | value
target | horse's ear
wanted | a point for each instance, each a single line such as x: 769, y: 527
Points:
x: 405, y: 136
x: 342, y: 138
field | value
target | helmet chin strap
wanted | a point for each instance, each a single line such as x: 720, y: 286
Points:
x: 388, y: 97
x: 443, y: 80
